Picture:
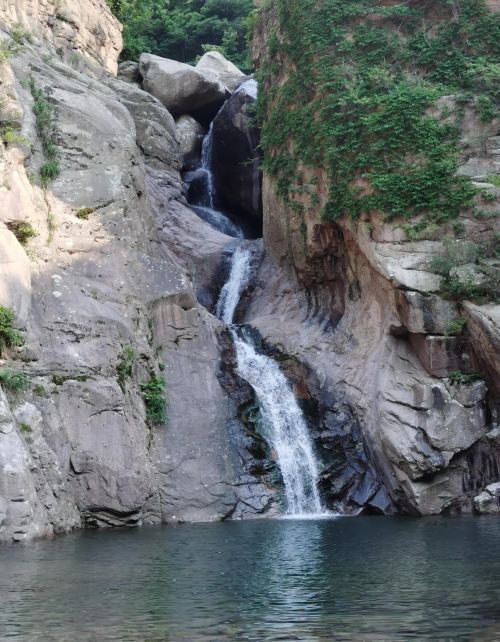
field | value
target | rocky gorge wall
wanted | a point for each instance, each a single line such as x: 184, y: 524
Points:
x: 113, y: 279
x: 103, y: 289
x: 357, y: 302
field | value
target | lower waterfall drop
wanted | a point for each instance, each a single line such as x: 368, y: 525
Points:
x: 284, y: 422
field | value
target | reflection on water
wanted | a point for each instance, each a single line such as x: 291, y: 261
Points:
x: 355, y: 580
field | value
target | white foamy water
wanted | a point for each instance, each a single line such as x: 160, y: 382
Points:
x: 237, y: 282
x: 286, y: 429
x: 285, y: 425
x: 206, y: 164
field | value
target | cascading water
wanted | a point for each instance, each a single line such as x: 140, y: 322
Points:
x: 286, y: 427
x: 206, y: 164
x: 237, y: 282
x: 201, y: 182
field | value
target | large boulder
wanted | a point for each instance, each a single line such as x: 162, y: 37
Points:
x: 180, y: 87
x: 214, y: 62
x: 190, y: 134
x: 235, y: 156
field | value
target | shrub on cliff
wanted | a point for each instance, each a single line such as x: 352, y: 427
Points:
x: 9, y: 337
x: 361, y: 99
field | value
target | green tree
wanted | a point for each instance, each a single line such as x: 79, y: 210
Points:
x: 184, y: 29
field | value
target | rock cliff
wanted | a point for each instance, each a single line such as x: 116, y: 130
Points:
x: 112, y: 278
x: 103, y: 288
x: 357, y: 302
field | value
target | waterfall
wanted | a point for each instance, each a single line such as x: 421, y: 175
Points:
x: 206, y: 164
x: 201, y: 192
x: 237, y: 282
x: 285, y: 425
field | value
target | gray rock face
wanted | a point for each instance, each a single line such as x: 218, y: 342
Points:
x: 235, y: 158
x: 214, y: 62
x: 489, y: 500
x: 87, y: 29
x: 112, y: 272
x: 190, y: 134
x: 129, y: 71
x: 182, y: 89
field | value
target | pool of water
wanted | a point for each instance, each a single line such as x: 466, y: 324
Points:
x: 357, y: 579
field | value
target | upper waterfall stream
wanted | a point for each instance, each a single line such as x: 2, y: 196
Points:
x: 285, y: 425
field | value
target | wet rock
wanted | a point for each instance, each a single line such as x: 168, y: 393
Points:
x: 488, y: 502
x: 235, y: 157
x: 182, y: 89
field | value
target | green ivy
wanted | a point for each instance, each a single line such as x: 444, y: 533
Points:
x: 360, y: 100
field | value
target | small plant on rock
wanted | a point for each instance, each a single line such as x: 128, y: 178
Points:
x: 46, y: 128
x: 20, y: 35
x: 455, y: 376
x: 125, y: 366
x: 14, y: 381
x: 457, y: 326
x: 84, y: 213
x: 153, y: 393
x: 22, y: 230
x: 49, y: 171
x: 9, y: 337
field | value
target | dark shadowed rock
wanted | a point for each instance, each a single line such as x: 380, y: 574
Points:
x: 235, y: 159
x: 129, y: 71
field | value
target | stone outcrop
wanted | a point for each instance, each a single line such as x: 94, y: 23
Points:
x: 235, y: 156
x: 214, y: 62
x: 182, y: 89
x: 489, y: 500
x: 71, y: 29
x: 357, y: 304
x: 105, y: 296
x: 190, y: 134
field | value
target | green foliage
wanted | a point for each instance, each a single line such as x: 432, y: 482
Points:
x: 494, y: 180
x: 22, y: 231
x: 49, y: 171
x: 39, y: 390
x: 9, y: 337
x: 153, y: 393
x: 14, y: 381
x: 20, y: 35
x: 8, y: 48
x: 84, y: 212
x: 125, y: 366
x: 183, y: 29
x: 455, y: 376
x: 361, y: 99
x: 455, y: 254
x: 457, y: 326
x: 47, y: 132
x: 10, y: 136
x: 479, y: 281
